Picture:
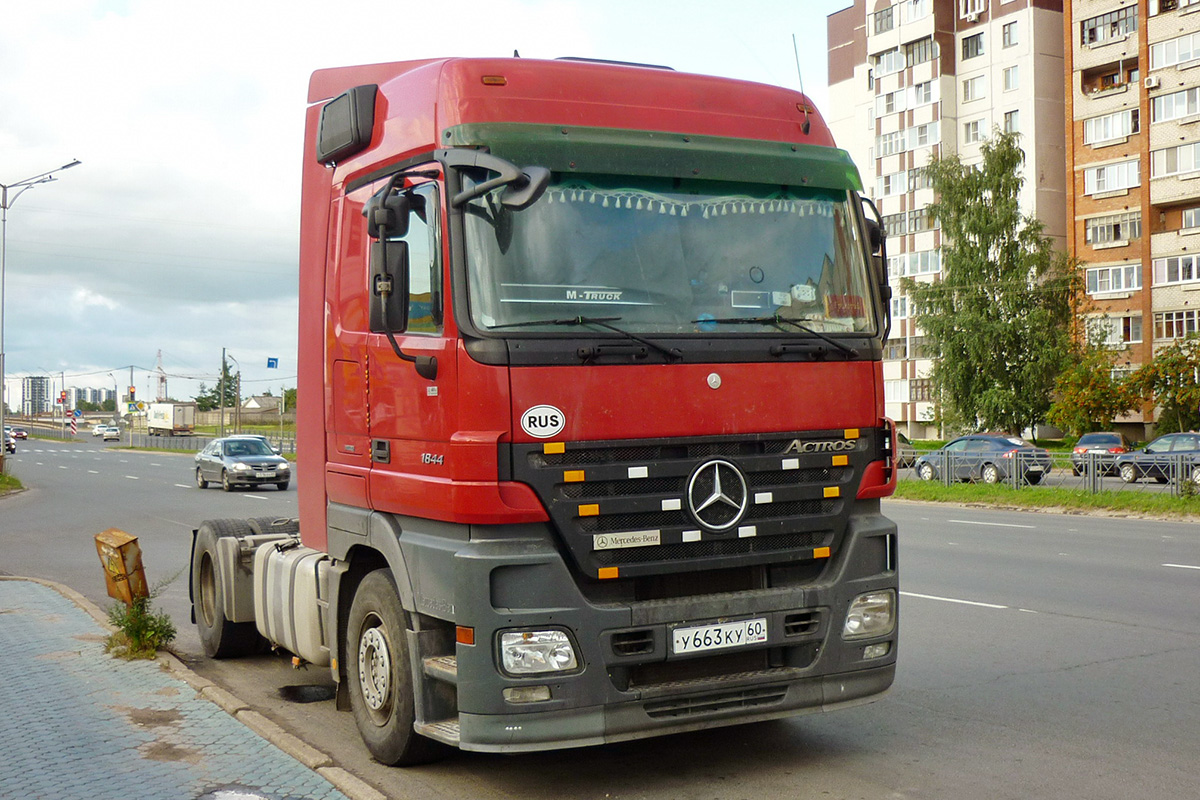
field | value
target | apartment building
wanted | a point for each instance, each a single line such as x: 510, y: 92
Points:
x: 921, y: 78
x: 35, y: 394
x: 1134, y: 149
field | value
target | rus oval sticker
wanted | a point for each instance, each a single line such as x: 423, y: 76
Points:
x: 543, y: 422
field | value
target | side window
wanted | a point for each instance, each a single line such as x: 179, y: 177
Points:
x: 425, y: 262
x: 957, y: 447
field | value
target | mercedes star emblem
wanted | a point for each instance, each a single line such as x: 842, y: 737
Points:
x: 717, y: 495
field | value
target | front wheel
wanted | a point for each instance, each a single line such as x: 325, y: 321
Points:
x: 991, y: 474
x: 379, y: 676
x: 225, y: 484
x: 1129, y: 473
x: 925, y: 472
x: 200, y: 482
x: 282, y: 486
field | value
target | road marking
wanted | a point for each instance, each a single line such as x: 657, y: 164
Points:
x: 132, y: 477
x: 992, y: 524
x: 1182, y: 566
x: 60, y: 466
x: 255, y: 496
x: 93, y: 472
x: 184, y: 485
x: 950, y: 600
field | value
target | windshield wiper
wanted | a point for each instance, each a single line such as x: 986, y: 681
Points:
x: 603, y: 322
x: 779, y: 322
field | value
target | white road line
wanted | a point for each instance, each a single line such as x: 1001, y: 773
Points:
x: 254, y: 496
x: 1182, y: 566
x: 992, y: 524
x: 184, y: 485
x: 132, y: 477
x: 950, y: 600
x: 60, y: 466
x: 93, y: 472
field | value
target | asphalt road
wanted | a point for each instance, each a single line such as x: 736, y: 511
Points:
x: 1041, y: 656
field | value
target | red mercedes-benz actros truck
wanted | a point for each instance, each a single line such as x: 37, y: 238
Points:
x: 590, y: 421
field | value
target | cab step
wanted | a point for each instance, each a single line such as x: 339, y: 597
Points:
x: 442, y: 668
x: 445, y: 731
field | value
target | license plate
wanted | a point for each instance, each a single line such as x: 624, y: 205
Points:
x: 267, y: 473
x: 720, y: 635
x: 1036, y: 468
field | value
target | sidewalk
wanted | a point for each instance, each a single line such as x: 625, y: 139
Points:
x: 78, y: 723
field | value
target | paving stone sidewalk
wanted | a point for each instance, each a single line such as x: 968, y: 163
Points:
x: 78, y: 723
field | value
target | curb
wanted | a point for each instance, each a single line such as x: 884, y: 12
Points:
x: 316, y: 760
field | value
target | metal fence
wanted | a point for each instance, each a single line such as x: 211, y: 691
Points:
x: 286, y: 444
x: 1178, y: 474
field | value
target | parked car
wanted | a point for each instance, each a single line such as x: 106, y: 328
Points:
x: 10, y: 444
x: 98, y: 430
x: 986, y: 457
x: 1100, y: 448
x: 906, y: 454
x: 241, y: 461
x: 1162, y: 459
x: 112, y: 434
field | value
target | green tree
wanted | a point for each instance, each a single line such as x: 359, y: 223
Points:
x: 210, y: 399
x: 1088, y: 397
x: 1170, y: 382
x: 997, y: 324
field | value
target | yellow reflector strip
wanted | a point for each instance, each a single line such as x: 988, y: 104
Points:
x: 852, y: 433
x: 573, y: 476
x: 833, y: 491
x: 841, y: 461
x: 495, y: 80
x: 821, y: 552
x: 609, y: 572
x: 464, y: 635
x: 554, y: 448
x: 592, y: 510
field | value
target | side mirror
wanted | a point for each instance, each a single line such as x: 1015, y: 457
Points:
x: 389, y: 309
x: 389, y: 212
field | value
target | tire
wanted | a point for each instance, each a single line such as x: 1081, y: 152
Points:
x: 1196, y: 476
x: 1033, y: 479
x: 990, y: 474
x: 282, y: 486
x: 382, y: 696
x: 225, y: 484
x: 925, y: 471
x: 200, y: 482
x: 220, y: 637
x: 1129, y: 473
x: 1161, y: 479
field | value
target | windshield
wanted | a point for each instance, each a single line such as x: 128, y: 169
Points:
x: 665, y: 255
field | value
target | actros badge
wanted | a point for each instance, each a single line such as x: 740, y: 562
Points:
x: 542, y: 422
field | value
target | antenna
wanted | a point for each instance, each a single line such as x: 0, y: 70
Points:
x: 796, y: 51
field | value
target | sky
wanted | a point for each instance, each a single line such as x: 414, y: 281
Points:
x: 178, y: 232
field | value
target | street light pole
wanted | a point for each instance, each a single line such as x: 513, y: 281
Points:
x: 6, y: 202
x: 237, y: 406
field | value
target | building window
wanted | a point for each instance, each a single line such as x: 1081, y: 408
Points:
x: 1175, y: 160
x: 1123, y: 278
x: 1110, y: 126
x: 891, y: 185
x: 895, y: 349
x: 1175, y: 51
x: 1011, y: 79
x: 900, y: 307
x: 1012, y: 122
x: 1108, y: 27
x: 972, y: 46
x: 1115, y: 331
x: 1191, y: 218
x: 916, y: 9
x: 1176, y: 324
x: 888, y: 62
x: 972, y: 132
x: 920, y: 51
x: 923, y: 135
x: 895, y: 224
x: 920, y: 390
x: 1176, y: 269
x: 1111, y: 177
x: 973, y: 88
x: 918, y: 178
x: 891, y: 103
x: 967, y: 8
x: 1113, y: 228
x: 922, y: 94
x: 1008, y: 34
x: 1175, y: 105
x: 885, y: 20
x: 918, y: 220
x: 888, y: 144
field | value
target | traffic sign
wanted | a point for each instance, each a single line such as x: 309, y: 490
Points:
x: 272, y: 363
x: 77, y: 413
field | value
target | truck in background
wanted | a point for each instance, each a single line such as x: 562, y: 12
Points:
x: 590, y: 411
x: 171, y: 419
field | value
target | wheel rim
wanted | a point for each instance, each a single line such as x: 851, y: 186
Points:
x: 208, y: 590
x: 926, y: 472
x: 199, y: 478
x: 225, y: 480
x: 990, y: 475
x: 1127, y: 474
x: 375, y: 671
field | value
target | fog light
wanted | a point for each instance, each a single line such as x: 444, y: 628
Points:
x: 877, y: 650
x: 870, y: 614
x: 527, y: 694
x: 533, y: 652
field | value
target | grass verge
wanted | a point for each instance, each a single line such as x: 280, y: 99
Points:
x: 1047, y: 498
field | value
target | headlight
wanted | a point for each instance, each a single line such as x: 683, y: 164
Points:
x: 534, y: 652
x: 239, y: 467
x: 281, y: 467
x: 870, y: 614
